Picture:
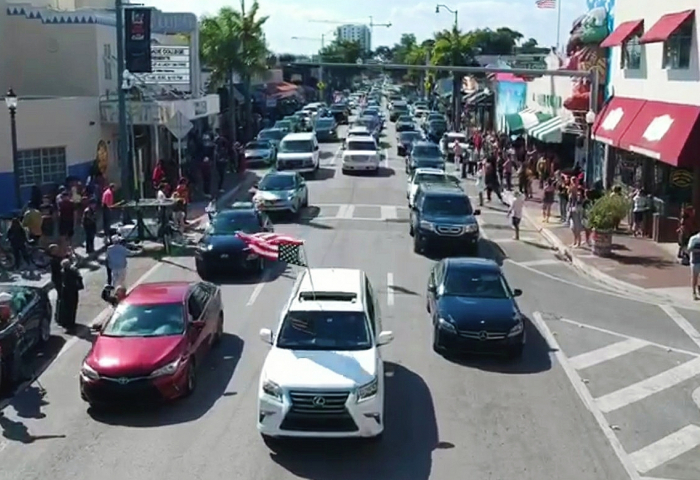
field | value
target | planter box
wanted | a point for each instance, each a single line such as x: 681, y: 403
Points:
x: 601, y: 242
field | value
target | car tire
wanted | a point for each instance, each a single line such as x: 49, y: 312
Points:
x: 417, y: 247
x: 219, y: 334
x: 305, y: 203
x: 45, y: 331
x: 436, y: 343
x: 191, y: 378
x: 260, y: 266
x: 202, y: 272
x: 411, y: 232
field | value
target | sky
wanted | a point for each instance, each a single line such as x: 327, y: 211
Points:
x: 310, y: 19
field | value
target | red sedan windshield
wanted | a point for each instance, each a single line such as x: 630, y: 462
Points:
x: 146, y: 321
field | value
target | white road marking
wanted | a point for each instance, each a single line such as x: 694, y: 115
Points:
x: 654, y: 478
x: 100, y: 317
x: 622, y: 335
x: 336, y: 155
x: 609, y: 352
x: 389, y: 212
x: 696, y: 397
x: 586, y: 397
x: 684, y: 324
x: 258, y: 288
x: 386, y: 158
x: 360, y: 205
x: 349, y: 212
x: 647, y: 387
x: 390, y: 289
x: 341, y: 211
x: 540, y: 263
x: 666, y: 449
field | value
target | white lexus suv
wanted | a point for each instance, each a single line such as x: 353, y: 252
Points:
x: 324, y: 375
x: 361, y: 154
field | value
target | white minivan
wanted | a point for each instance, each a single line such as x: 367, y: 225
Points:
x: 298, y: 152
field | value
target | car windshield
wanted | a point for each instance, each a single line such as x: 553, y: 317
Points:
x: 338, y: 108
x: 282, y: 124
x: 257, y: 146
x: 409, y: 136
x: 271, y: 135
x: 146, y: 321
x: 228, y: 223
x: 466, y: 282
x: 361, y: 145
x: 452, y: 205
x: 430, y: 177
x: 324, y: 123
x: 325, y: 330
x: 405, y: 118
x: 296, y: 146
x: 430, y: 151
x: 276, y: 182
x: 438, y: 124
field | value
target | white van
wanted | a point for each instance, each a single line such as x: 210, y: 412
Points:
x: 298, y: 152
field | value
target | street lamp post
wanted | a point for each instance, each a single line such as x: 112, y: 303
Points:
x: 322, y: 89
x: 456, y: 79
x: 11, y: 102
x: 590, y: 120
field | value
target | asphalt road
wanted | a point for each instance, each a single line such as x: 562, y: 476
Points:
x: 572, y: 409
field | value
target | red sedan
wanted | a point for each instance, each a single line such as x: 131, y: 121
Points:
x: 152, y: 344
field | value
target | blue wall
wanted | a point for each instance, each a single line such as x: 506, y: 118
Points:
x: 7, y: 186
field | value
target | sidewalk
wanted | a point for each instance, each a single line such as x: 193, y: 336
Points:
x: 637, y: 265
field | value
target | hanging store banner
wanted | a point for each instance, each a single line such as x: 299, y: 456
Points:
x: 137, y: 43
x: 170, y: 66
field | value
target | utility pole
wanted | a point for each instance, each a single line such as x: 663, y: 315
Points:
x: 123, y: 141
x: 371, y: 30
x: 456, y: 79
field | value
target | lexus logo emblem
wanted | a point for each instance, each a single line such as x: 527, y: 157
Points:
x: 483, y: 335
x: 123, y: 381
x: 318, y: 401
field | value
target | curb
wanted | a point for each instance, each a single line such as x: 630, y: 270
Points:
x: 593, y: 272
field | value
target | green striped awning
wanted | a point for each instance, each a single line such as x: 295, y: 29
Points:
x: 551, y: 130
x: 524, y: 120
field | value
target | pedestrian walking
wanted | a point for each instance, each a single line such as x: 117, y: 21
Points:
x: 107, y: 204
x: 515, y: 212
x: 17, y: 236
x: 547, y: 200
x: 90, y: 226
x: 575, y: 220
x: 117, y: 258
x: 70, y: 295
x: 481, y: 183
x: 694, y: 251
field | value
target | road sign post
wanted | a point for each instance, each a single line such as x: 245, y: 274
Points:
x: 179, y: 125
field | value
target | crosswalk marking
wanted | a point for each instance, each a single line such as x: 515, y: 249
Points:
x: 540, y: 263
x: 345, y: 212
x: 641, y: 390
x: 389, y: 212
x: 666, y: 449
x: 609, y: 352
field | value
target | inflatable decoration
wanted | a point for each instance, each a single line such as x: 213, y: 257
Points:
x: 584, y: 54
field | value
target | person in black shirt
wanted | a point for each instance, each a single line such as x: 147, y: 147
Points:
x: 90, y: 226
x: 17, y: 236
x: 70, y: 295
x: 56, y: 270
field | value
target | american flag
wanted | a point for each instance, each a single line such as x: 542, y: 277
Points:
x: 266, y: 244
x: 546, y: 3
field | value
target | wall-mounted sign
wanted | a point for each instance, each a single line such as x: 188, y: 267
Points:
x: 170, y: 66
x: 137, y: 44
x: 200, y: 108
x: 681, y: 178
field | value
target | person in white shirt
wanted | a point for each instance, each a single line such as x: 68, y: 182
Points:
x: 515, y: 212
x: 160, y: 195
x: 694, y: 251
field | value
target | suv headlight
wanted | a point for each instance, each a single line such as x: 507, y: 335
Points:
x: 271, y: 389
x: 471, y: 228
x: 166, y: 370
x: 518, y: 327
x: 88, y: 372
x: 368, y: 390
x: 427, y: 225
x: 445, y: 325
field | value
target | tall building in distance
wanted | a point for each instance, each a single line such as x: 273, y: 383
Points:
x: 356, y: 33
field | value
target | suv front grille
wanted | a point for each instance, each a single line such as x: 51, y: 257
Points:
x: 449, y: 230
x: 319, y: 412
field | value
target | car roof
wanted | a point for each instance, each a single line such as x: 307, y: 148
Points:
x: 336, y: 280
x: 455, y: 134
x: 358, y: 128
x: 299, y: 136
x: 158, y: 293
x: 424, y: 143
x: 367, y: 138
x: 475, y: 263
x: 269, y: 130
x: 280, y: 173
x: 443, y: 190
x: 430, y: 171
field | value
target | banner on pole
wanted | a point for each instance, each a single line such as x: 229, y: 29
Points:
x: 137, y: 40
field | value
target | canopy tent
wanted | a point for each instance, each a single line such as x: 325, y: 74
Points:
x: 550, y: 131
x: 524, y: 120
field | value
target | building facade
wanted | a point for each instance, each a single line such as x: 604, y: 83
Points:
x: 650, y: 125
x: 356, y: 33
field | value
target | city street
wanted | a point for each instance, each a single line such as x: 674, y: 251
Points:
x: 608, y: 387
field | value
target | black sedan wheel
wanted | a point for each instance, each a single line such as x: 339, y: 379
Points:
x: 202, y: 270
x: 436, y: 342
x: 45, y: 331
x: 191, y: 382
x: 219, y: 330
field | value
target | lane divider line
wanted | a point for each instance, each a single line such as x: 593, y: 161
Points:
x: 390, y: 289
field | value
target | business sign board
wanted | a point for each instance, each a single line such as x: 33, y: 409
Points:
x: 138, y: 40
x: 170, y: 65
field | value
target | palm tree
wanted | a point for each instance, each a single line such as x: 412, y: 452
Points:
x: 452, y: 47
x: 234, y: 41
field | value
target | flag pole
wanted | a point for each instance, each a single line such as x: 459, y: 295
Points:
x: 558, y: 24
x: 308, y: 270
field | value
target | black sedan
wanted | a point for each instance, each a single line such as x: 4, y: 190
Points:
x: 326, y: 129
x: 221, y: 251
x: 473, y: 309
x: 406, y: 140
x: 424, y: 155
x: 436, y: 129
x: 405, y: 124
x: 28, y: 326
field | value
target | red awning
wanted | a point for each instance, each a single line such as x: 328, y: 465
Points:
x: 666, y: 26
x: 622, y: 33
x: 666, y: 132
x: 617, y: 115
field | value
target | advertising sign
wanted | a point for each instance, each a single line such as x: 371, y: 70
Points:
x: 137, y: 41
x: 170, y: 65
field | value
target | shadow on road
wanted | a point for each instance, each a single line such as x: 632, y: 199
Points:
x: 382, y: 172
x: 321, y: 174
x: 536, y: 357
x: 214, y: 376
x: 405, y: 452
x: 28, y: 404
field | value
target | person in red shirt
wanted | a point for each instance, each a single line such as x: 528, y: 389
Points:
x: 158, y: 176
x: 107, y: 204
x: 183, y: 192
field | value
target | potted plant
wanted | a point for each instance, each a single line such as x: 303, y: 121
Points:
x: 603, y: 217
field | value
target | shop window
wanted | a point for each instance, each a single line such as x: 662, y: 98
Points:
x: 41, y: 166
x: 107, y: 54
x: 677, y: 48
x: 631, y: 53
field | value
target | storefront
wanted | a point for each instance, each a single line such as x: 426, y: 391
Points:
x: 479, y: 107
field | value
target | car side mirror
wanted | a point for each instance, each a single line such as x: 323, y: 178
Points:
x: 432, y: 288
x: 316, y: 148
x: 266, y: 335
x: 385, y: 338
x: 96, y: 327
x: 517, y: 292
x: 477, y: 212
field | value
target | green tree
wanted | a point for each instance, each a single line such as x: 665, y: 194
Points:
x: 341, y: 51
x: 501, y: 41
x: 234, y: 41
